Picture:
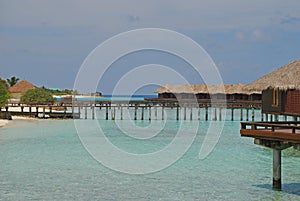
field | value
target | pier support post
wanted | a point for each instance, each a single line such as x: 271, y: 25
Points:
x: 106, y: 112
x: 135, y: 112
x: 184, y: 115
x: 155, y: 114
x: 177, y: 113
x: 198, y: 113
x: 113, y: 113
x: 121, y: 112
x: 79, y: 112
x: 22, y: 109
x: 253, y: 117
x: 142, y: 118
x: 149, y: 113
x: 85, y: 112
x: 44, y: 112
x: 232, y: 112
x: 247, y: 114
x: 30, y: 110
x: 277, y: 169
x: 191, y: 114
x: 93, y: 112
x: 206, y: 113
x: 241, y: 114
x: 220, y: 114
x: 215, y: 114
x: 162, y: 113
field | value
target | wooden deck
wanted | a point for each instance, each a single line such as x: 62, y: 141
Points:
x: 287, y: 131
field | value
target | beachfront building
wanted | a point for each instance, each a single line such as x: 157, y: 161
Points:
x: 280, y: 96
x: 230, y: 92
x: 20, y: 88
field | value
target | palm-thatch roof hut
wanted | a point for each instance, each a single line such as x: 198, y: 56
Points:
x: 21, y: 87
x: 203, y: 91
x: 280, y: 90
x: 286, y: 77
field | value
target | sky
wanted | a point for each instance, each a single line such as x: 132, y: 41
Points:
x: 47, y: 41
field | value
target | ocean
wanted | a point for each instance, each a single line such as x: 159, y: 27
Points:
x: 45, y: 160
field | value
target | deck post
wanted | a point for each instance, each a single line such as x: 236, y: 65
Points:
x: 44, y: 111
x: 121, y: 112
x: 162, y: 112
x: 271, y: 118
x: 215, y: 114
x: 232, y: 113
x: 85, y: 112
x: 37, y: 111
x: 135, y: 112
x: 206, y: 113
x: 277, y: 169
x: 113, y: 114
x: 241, y: 114
x: 106, y: 111
x: 22, y: 109
x: 79, y: 112
x: 142, y: 118
x: 253, y: 117
x: 191, y: 114
x: 247, y: 114
x: 29, y: 109
x: 93, y: 112
x: 220, y: 114
x: 184, y: 113
x: 177, y: 113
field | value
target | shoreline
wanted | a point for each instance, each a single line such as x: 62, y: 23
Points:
x: 3, y: 122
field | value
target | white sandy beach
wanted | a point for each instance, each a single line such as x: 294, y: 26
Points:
x: 3, y: 122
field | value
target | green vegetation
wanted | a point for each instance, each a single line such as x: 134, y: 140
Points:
x: 57, y: 92
x: 12, y: 81
x: 4, y: 94
x: 37, y: 96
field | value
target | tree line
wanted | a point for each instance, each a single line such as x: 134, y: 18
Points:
x: 34, y: 96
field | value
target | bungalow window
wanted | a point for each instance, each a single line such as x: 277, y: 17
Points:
x: 275, y: 93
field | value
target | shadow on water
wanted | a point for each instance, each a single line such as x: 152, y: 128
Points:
x: 291, y: 188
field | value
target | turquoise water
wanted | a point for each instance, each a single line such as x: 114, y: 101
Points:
x: 45, y: 160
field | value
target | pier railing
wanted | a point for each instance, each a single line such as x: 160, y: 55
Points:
x: 288, y: 131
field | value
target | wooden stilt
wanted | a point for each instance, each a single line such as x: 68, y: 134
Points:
x: 206, y: 113
x: 241, y: 114
x: 277, y: 169
x: 85, y: 112
x: 142, y: 117
x: 93, y: 112
x: 184, y: 115
x: 149, y: 113
x: 191, y: 114
x: 232, y: 113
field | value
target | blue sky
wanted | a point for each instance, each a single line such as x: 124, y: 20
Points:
x: 46, y: 41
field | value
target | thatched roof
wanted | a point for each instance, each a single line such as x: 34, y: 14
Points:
x: 21, y: 87
x: 286, y: 77
x: 205, y: 89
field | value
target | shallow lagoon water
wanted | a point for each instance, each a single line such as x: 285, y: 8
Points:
x: 45, y: 160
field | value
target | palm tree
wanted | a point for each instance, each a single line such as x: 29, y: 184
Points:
x: 12, y: 81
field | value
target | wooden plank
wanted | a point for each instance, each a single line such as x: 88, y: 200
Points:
x: 264, y: 134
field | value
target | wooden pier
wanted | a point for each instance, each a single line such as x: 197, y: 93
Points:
x: 142, y: 110
x: 277, y: 136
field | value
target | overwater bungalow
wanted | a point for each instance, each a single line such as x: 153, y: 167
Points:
x: 280, y: 90
x: 230, y: 92
x: 280, y: 96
